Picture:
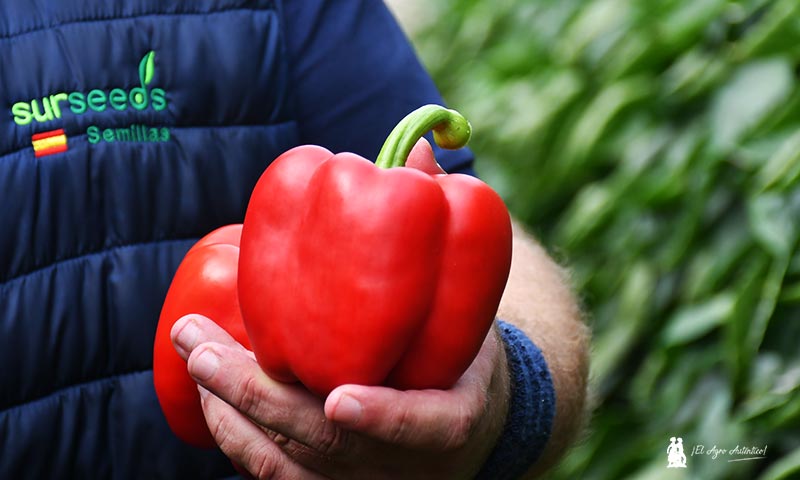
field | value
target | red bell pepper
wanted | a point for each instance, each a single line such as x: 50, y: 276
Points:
x: 204, y: 283
x: 375, y: 274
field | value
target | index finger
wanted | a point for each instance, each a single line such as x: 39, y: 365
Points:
x: 235, y: 377
x: 191, y: 330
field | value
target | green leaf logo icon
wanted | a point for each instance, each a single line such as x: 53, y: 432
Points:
x: 147, y: 68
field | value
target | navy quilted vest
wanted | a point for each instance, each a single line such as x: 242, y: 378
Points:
x: 125, y: 134
x: 128, y: 129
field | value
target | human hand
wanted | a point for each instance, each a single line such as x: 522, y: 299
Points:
x: 282, y: 431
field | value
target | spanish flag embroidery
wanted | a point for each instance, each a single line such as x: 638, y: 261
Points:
x: 48, y: 143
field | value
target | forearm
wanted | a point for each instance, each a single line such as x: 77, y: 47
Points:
x: 539, y: 301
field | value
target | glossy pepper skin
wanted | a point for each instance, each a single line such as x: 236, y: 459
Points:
x: 373, y: 274
x: 204, y: 283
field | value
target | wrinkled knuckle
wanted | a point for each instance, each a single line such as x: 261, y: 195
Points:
x: 261, y: 463
x: 401, y: 427
x: 223, y: 432
x: 464, y: 427
x: 332, y: 441
x: 249, y: 396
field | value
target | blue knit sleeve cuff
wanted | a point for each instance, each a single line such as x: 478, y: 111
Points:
x: 531, y: 409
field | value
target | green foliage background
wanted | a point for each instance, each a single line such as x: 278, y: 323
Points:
x: 654, y: 147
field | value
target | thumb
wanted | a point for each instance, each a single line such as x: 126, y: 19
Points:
x: 421, y: 157
x: 431, y: 419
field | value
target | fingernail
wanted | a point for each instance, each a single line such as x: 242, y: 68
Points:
x: 205, y: 365
x: 348, y: 410
x: 202, y: 391
x: 187, y: 335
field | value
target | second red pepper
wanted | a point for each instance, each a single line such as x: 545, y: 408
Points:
x: 204, y: 283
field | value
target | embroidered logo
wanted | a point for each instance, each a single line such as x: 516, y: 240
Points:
x: 55, y: 106
x: 48, y: 143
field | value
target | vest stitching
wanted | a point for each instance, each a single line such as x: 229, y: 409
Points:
x: 7, y: 283
x: 68, y: 388
x: 109, y: 18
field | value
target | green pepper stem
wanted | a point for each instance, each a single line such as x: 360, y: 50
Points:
x: 450, y: 130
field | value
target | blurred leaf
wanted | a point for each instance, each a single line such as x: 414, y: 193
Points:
x: 776, y: 386
x: 755, y: 90
x: 615, y: 343
x: 786, y: 416
x: 597, y: 117
x: 783, y: 167
x: 684, y: 23
x: 738, y: 352
x: 589, y: 210
x: 693, y: 321
x: 694, y: 73
x: 713, y: 263
x: 791, y: 293
x: 773, y: 221
x: 657, y: 470
x: 777, y: 32
x: 770, y: 293
x: 597, y: 25
x: 787, y: 467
